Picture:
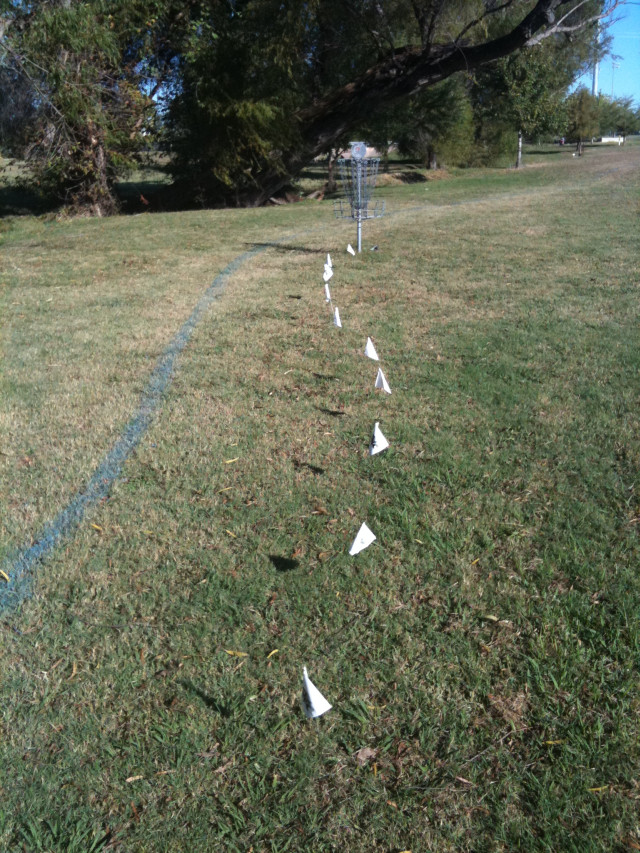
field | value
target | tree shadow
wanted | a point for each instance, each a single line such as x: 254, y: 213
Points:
x: 335, y: 413
x: 16, y: 200
x: 283, y: 564
x: 286, y: 247
x: 315, y: 469
x: 412, y: 177
x: 559, y: 150
x: 209, y: 701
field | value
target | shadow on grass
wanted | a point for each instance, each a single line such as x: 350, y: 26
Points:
x: 286, y: 247
x: 412, y: 177
x: 315, y: 469
x: 209, y: 701
x: 552, y: 153
x: 22, y: 201
x: 283, y: 564
x: 335, y: 413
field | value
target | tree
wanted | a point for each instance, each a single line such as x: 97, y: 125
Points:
x: 251, y: 90
x: 582, y: 108
x: 436, y: 125
x: 617, y: 116
x: 17, y: 109
x: 535, y: 88
x: 526, y: 91
x: 266, y: 95
x: 75, y: 63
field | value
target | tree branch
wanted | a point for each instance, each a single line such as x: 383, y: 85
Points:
x: 412, y: 68
x: 490, y: 11
x: 560, y: 27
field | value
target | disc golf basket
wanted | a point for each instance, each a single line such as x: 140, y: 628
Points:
x: 358, y: 175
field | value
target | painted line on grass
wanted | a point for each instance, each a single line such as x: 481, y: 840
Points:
x: 20, y: 566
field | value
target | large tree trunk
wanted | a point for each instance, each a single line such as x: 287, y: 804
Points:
x: 93, y: 192
x: 406, y: 72
x: 519, y: 156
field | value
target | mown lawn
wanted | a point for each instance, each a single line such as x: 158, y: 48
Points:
x: 481, y: 656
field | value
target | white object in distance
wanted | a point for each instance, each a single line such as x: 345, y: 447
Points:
x: 336, y: 320
x: 370, y: 350
x: 350, y: 249
x: 381, y: 382
x: 329, y: 262
x: 313, y: 702
x: 326, y: 275
x: 327, y: 293
x: 378, y: 441
x: 363, y: 539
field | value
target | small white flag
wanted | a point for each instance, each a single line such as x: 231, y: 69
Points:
x: 313, y: 702
x: 378, y: 441
x: 336, y: 320
x: 326, y: 275
x: 381, y: 382
x: 364, y: 538
x: 329, y: 262
x: 370, y: 350
x: 327, y: 293
x: 350, y: 249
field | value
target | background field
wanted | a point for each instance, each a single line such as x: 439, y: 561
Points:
x: 482, y: 656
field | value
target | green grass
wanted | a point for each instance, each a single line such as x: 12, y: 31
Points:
x: 484, y: 649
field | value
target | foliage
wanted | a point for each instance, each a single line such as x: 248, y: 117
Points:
x: 251, y: 90
x: 17, y: 109
x: 240, y: 78
x: 494, y: 145
x: 265, y: 92
x: 617, y: 116
x: 526, y: 92
x: 535, y: 88
x: 436, y: 125
x: 89, y: 115
x: 582, y: 109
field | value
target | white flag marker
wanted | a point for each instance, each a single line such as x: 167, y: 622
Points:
x: 381, y: 382
x: 378, y: 441
x: 364, y: 538
x: 370, y: 350
x: 329, y: 262
x: 313, y: 702
x: 327, y: 293
x: 326, y: 275
x: 350, y: 249
x: 336, y: 320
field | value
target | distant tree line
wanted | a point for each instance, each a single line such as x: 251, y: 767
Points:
x: 242, y: 94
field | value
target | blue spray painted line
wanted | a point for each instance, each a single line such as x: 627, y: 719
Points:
x: 21, y: 565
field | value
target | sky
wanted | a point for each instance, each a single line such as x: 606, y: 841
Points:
x: 621, y: 75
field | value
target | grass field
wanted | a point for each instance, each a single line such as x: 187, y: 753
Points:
x: 481, y: 656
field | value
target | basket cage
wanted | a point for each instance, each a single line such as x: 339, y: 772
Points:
x: 358, y: 178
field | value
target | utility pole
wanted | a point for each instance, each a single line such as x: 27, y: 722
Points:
x: 596, y: 64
